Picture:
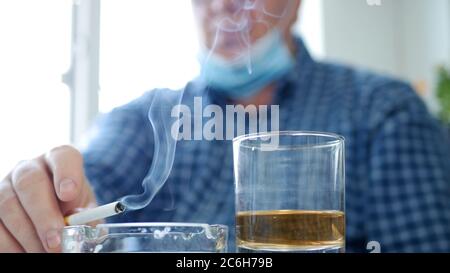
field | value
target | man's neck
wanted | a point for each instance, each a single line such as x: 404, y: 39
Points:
x: 264, y: 97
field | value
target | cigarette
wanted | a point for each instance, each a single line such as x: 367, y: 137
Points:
x: 94, y: 214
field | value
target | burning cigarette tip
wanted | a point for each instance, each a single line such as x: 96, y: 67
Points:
x: 120, y: 207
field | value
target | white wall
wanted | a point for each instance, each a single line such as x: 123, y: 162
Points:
x: 361, y: 34
x: 404, y: 38
x: 424, y: 36
x: 311, y: 26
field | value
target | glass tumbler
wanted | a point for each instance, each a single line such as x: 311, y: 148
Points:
x: 290, y: 190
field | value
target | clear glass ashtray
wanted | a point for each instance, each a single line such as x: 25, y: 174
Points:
x: 145, y: 237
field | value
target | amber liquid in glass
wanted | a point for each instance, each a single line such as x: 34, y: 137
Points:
x: 290, y: 231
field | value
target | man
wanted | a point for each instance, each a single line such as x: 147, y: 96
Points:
x: 397, y: 157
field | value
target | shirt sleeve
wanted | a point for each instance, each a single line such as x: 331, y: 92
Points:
x: 119, y: 151
x: 409, y: 180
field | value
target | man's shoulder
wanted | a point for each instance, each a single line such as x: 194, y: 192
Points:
x: 366, y: 89
x: 369, y: 97
x: 143, y: 102
x: 365, y: 83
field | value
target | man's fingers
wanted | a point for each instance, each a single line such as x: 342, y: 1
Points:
x: 15, y: 219
x: 31, y: 214
x: 34, y: 188
x: 8, y: 243
x: 66, y: 165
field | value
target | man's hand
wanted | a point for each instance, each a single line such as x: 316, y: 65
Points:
x: 36, y: 195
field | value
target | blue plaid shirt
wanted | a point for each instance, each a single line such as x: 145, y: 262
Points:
x: 397, y: 158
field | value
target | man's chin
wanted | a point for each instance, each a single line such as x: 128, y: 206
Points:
x: 229, y: 51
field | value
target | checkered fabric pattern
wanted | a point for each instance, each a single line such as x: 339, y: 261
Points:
x: 397, y: 158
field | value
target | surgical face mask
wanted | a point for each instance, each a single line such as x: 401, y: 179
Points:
x: 269, y: 60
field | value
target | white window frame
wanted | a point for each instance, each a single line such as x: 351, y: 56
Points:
x: 83, y: 74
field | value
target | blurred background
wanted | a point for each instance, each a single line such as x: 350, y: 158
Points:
x: 64, y: 62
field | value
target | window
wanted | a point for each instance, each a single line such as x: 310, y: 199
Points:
x: 34, y: 53
x: 144, y: 44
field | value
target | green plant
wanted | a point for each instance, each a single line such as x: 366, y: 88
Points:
x: 443, y: 93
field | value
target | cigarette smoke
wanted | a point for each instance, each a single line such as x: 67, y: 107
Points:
x: 164, y: 148
x: 238, y: 21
